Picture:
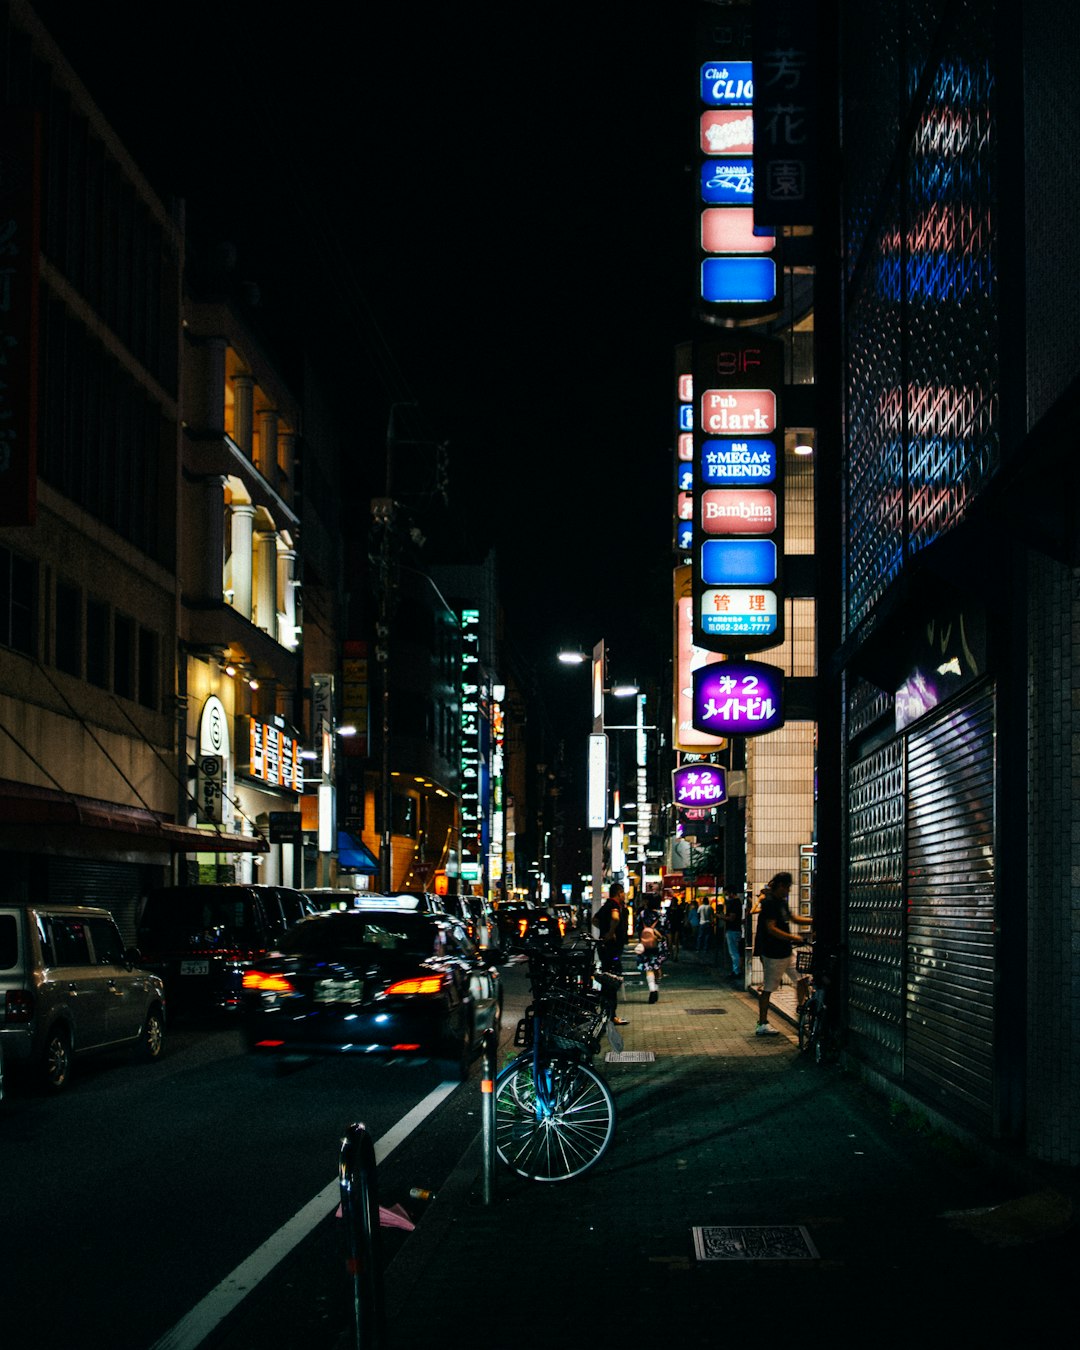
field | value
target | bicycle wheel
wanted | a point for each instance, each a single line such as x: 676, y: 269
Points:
x: 556, y: 1128
x: 808, y: 1023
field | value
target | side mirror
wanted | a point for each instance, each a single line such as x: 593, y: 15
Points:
x: 132, y: 957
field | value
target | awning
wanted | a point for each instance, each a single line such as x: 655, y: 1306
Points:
x: 30, y: 807
x: 353, y: 855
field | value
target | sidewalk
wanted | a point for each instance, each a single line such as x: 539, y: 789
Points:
x: 745, y: 1187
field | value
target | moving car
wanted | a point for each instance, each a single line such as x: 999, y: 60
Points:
x: 69, y: 987
x: 373, y: 981
x: 201, y: 939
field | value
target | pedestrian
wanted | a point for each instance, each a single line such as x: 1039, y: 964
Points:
x: 733, y: 922
x: 652, y: 947
x: 704, y: 925
x: 775, y: 942
x: 612, y: 923
x: 691, y: 918
x: 676, y: 914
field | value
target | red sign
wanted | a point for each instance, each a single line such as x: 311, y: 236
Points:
x: 738, y: 511
x: 739, y: 412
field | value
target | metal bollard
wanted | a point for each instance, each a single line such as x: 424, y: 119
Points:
x: 360, y: 1210
x: 487, y: 1107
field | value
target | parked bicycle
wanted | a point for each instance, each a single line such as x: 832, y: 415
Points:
x: 817, y: 1025
x: 554, y: 1115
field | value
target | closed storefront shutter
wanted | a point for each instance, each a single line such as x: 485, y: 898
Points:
x: 950, y: 966
x: 115, y: 886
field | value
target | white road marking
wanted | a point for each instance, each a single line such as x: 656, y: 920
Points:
x: 207, y: 1315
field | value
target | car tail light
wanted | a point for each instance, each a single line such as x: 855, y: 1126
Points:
x: 522, y: 925
x: 423, y: 984
x: 18, y: 1006
x: 266, y: 983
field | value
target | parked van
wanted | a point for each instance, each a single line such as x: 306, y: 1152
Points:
x: 201, y: 939
x: 70, y: 987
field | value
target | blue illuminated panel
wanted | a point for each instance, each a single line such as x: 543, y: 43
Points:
x: 738, y: 562
x: 727, y: 182
x: 738, y: 280
x: 750, y: 461
x: 727, y: 84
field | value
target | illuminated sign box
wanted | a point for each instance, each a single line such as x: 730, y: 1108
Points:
x: 746, y: 412
x: 727, y: 84
x: 686, y: 417
x: 738, y: 281
x: 738, y: 698
x: 738, y: 562
x: 684, y: 477
x: 686, y: 445
x: 727, y: 182
x: 273, y: 756
x: 725, y: 132
x: 698, y: 785
x: 738, y: 511
x: 732, y: 461
x: 684, y: 536
x: 730, y: 612
x: 730, y: 229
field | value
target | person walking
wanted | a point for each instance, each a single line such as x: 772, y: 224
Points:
x: 775, y: 942
x: 676, y: 915
x: 704, y: 925
x: 612, y: 923
x: 652, y: 947
x: 733, y: 923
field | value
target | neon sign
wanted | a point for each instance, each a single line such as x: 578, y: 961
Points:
x: 738, y: 698
x: 699, y: 785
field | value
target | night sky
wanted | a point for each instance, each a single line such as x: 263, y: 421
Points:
x: 488, y: 208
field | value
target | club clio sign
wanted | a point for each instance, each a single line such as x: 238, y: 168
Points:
x: 738, y: 494
x: 738, y: 698
x: 698, y: 785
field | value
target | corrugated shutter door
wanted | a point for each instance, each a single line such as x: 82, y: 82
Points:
x: 949, y: 1001
x: 115, y: 886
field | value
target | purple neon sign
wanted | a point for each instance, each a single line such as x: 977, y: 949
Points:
x: 738, y: 698
x: 699, y: 785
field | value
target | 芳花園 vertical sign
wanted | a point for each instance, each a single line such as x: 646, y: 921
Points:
x: 738, y: 494
x: 737, y: 262
x: 20, y: 157
x: 784, y: 55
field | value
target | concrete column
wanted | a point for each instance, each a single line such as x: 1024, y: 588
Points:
x: 266, y: 607
x: 243, y: 517
x: 268, y: 445
x: 286, y: 483
x: 209, y: 565
x: 204, y: 391
x: 243, y: 395
x: 287, y: 564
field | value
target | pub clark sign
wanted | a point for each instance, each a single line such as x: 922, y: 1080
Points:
x: 698, y: 785
x: 738, y: 698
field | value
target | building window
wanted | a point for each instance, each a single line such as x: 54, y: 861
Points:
x: 97, y: 643
x: 149, y: 679
x: 68, y: 640
x: 18, y: 601
x: 124, y: 656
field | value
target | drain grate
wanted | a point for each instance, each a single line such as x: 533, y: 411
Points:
x: 769, y: 1242
x: 705, y: 1012
x: 629, y: 1057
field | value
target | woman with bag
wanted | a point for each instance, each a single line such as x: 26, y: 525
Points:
x: 652, y: 947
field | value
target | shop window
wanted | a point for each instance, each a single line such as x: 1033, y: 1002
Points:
x: 18, y: 601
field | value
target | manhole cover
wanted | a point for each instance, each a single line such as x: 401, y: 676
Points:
x: 705, y: 1012
x: 629, y: 1057
x: 765, y: 1243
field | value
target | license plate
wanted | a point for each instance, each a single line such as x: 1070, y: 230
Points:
x: 194, y: 967
x: 338, y: 991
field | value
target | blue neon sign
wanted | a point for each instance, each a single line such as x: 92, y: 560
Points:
x: 684, y: 477
x: 686, y: 417
x: 727, y: 182
x: 738, y: 280
x: 738, y: 562
x: 740, y: 462
x: 727, y: 84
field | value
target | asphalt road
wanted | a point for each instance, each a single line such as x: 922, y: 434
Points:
x: 128, y: 1200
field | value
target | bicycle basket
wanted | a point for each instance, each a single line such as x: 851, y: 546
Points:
x: 572, y: 1024
x: 804, y: 960
x: 566, y: 968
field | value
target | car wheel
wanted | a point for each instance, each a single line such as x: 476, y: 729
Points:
x: 56, y: 1066
x: 152, y: 1037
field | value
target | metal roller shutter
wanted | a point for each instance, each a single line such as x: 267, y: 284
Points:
x: 949, y: 985
x: 115, y: 886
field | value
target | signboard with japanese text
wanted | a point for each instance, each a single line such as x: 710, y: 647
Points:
x: 738, y: 494
x: 20, y: 171
x: 273, y: 756
x: 210, y: 789
x: 698, y: 785
x: 785, y: 115
x: 738, y: 698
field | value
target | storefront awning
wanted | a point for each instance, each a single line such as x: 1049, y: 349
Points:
x: 353, y: 855
x: 36, y: 808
